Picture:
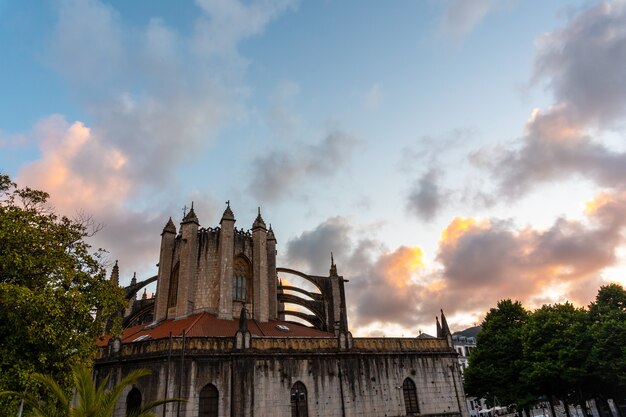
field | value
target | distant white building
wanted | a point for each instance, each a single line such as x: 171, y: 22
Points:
x: 464, y: 342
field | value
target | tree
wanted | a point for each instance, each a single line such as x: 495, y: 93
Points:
x: 556, y: 346
x: 606, y: 363
x: 53, y: 292
x: 496, y: 364
x: 86, y: 399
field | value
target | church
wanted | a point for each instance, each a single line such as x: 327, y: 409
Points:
x: 222, y: 333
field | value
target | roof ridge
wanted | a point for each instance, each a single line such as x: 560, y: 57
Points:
x: 140, y: 329
x: 258, y: 327
x: 188, y: 329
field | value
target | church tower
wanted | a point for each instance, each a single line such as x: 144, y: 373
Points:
x: 219, y: 270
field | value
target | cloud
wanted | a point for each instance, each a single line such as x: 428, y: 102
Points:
x: 480, y: 261
x: 460, y: 17
x: 227, y: 22
x: 426, y: 196
x: 99, y: 192
x: 554, y: 148
x: 487, y: 260
x: 581, y: 64
x: 154, y: 99
x: 277, y: 173
x: 311, y: 250
x: 381, y: 288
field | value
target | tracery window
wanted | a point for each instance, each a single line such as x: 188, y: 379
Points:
x: 209, y: 401
x: 299, y: 406
x: 172, y: 294
x: 242, y: 279
x: 133, y: 402
x: 410, y: 397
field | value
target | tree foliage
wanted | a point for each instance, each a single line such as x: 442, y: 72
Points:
x: 496, y: 364
x: 53, y: 292
x: 606, y: 363
x: 86, y: 399
x: 555, y: 349
x: 573, y: 354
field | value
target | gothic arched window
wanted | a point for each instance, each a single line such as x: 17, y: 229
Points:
x: 133, y: 402
x: 242, y: 279
x: 410, y: 397
x: 172, y: 294
x: 209, y: 405
x: 298, y: 400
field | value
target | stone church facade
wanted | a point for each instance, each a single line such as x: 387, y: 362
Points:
x: 219, y: 334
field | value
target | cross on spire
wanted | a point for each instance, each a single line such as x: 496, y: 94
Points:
x: 185, y: 210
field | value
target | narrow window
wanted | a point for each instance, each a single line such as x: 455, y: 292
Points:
x: 298, y: 400
x: 208, y: 401
x: 242, y: 279
x: 133, y: 402
x: 410, y: 397
x: 173, y: 290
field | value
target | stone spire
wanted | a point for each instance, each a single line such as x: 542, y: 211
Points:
x: 243, y: 321
x: 228, y: 213
x: 258, y: 223
x: 445, y: 330
x: 333, y: 267
x: 242, y: 336
x: 191, y: 216
x: 169, y: 227
x: 115, y: 274
x: 144, y: 296
x: 439, y: 333
x: 133, y: 282
x: 270, y: 233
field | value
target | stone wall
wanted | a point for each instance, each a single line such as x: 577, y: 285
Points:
x: 361, y: 382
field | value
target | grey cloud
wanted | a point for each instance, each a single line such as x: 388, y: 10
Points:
x: 311, y: 250
x: 364, y: 262
x: 426, y: 197
x: 583, y: 63
x: 553, y: 150
x: 426, y: 194
x: 277, y: 173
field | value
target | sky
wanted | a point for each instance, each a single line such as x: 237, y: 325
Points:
x: 449, y: 153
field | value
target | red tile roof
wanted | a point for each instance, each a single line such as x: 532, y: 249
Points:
x: 208, y: 325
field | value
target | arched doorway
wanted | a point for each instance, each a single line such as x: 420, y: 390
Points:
x: 410, y: 397
x: 133, y: 402
x: 299, y: 406
x: 209, y: 401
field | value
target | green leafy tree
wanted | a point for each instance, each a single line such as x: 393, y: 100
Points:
x: 606, y: 364
x: 54, y: 295
x: 86, y: 399
x: 496, y: 364
x: 555, y: 348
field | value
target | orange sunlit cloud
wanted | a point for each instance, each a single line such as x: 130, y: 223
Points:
x: 75, y: 168
x: 459, y: 226
x: 399, y: 266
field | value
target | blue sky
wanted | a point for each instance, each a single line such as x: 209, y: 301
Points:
x: 449, y: 153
